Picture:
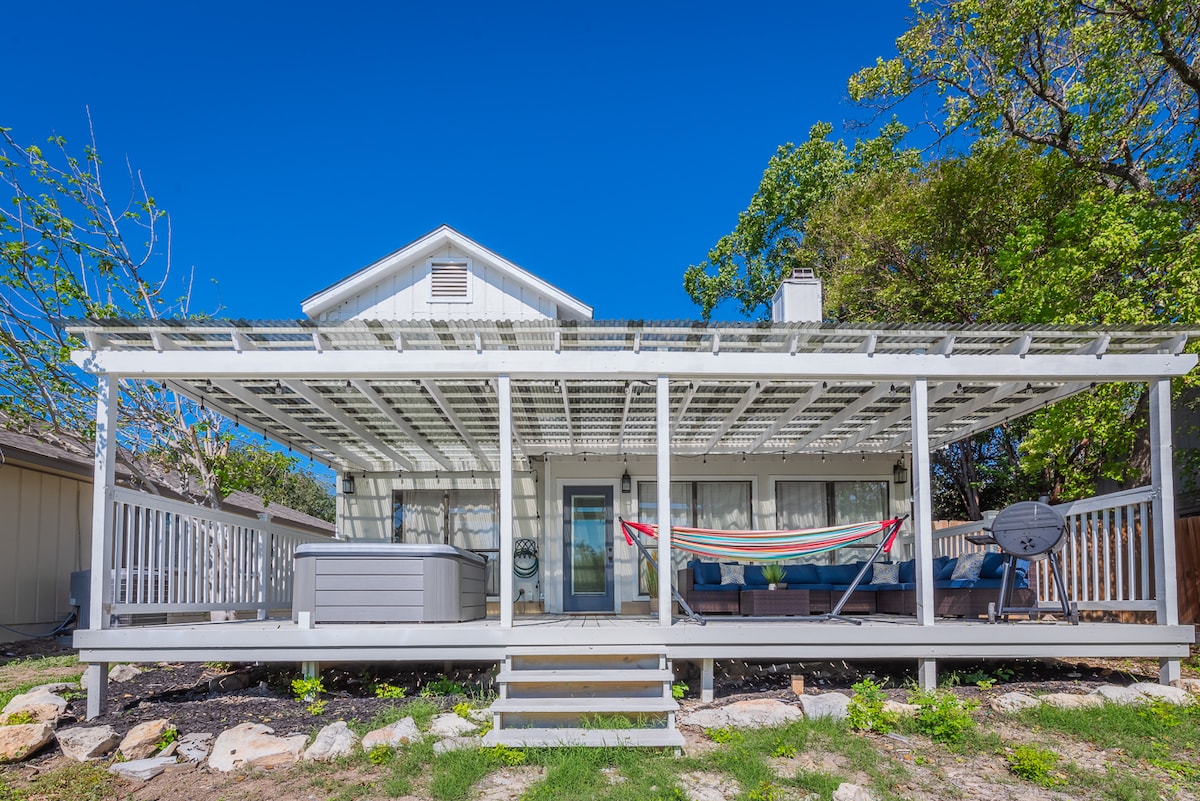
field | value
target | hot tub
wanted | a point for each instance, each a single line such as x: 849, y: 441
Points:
x: 361, y: 582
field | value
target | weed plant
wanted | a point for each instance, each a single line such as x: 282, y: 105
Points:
x: 1034, y: 763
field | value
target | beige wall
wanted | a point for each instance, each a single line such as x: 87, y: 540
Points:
x: 45, y: 533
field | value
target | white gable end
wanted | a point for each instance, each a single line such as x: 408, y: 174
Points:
x: 444, y: 276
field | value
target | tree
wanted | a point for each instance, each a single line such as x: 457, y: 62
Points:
x: 751, y: 261
x: 66, y: 251
x: 1113, y: 85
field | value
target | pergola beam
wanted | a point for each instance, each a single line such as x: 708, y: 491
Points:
x: 792, y: 412
x: 847, y: 412
x: 352, y: 425
x: 349, y: 458
x: 376, y: 399
x: 735, y: 415
x: 456, y: 422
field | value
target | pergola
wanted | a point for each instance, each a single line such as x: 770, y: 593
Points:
x: 422, y: 397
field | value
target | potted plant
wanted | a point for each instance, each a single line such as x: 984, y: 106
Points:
x: 773, y: 575
x: 650, y: 579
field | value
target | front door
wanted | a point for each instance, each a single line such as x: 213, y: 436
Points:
x: 588, y: 549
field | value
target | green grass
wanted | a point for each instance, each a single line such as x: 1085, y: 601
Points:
x: 73, y: 781
x: 48, y: 663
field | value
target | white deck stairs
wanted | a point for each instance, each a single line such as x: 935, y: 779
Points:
x: 585, y: 696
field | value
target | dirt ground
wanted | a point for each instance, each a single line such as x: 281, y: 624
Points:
x: 214, y: 697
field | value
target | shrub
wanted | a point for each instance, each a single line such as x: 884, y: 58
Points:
x: 1033, y: 763
x: 942, y: 716
x: 866, y: 713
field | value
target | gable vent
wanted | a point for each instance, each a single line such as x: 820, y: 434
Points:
x: 449, y: 279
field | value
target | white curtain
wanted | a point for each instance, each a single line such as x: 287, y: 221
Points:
x: 419, y: 516
x: 474, y: 519
x: 801, y: 504
x: 859, y: 501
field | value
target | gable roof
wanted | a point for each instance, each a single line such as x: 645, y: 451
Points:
x: 314, y: 305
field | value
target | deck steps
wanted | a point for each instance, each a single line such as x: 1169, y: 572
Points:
x: 585, y: 696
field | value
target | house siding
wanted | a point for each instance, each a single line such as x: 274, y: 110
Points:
x: 46, y: 533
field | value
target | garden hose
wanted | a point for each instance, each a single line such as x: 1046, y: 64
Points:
x: 525, y: 558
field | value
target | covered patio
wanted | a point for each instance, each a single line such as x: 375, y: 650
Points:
x: 523, y: 406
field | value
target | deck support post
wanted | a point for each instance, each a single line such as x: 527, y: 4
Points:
x: 311, y: 670
x: 927, y: 674
x: 504, y: 398
x: 922, y: 501
x: 1162, y: 478
x: 102, y: 533
x: 97, y: 689
x: 706, y: 681
x: 663, y: 419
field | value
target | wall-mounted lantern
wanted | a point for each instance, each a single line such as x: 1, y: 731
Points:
x: 626, y: 483
x: 900, y: 472
x: 348, y: 484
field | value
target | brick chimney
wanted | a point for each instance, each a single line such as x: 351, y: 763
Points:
x: 798, y: 299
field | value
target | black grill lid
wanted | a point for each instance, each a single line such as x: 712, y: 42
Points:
x: 1029, y: 529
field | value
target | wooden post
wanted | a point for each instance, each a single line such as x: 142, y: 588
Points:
x: 663, y: 415
x: 922, y: 500
x: 504, y: 396
x: 1162, y: 478
x: 102, y: 534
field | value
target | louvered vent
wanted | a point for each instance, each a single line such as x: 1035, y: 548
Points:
x: 449, y: 280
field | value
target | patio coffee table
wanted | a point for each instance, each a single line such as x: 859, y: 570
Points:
x: 774, y: 602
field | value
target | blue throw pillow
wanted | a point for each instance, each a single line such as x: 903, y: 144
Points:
x: 993, y: 566
x: 706, y: 572
x: 946, y: 570
x: 752, y: 574
x: 908, y: 571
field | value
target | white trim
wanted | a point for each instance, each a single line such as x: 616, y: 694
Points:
x: 662, y: 417
x: 922, y: 477
x: 1162, y: 478
x: 504, y: 396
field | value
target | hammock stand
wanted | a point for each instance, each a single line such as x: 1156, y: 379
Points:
x: 769, y: 546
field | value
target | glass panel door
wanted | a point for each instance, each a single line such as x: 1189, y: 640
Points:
x: 588, y: 549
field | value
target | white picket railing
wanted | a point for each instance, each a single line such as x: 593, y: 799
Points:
x: 171, y: 556
x: 1107, y: 559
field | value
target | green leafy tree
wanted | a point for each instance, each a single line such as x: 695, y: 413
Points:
x: 68, y: 251
x: 748, y: 264
x: 1113, y: 85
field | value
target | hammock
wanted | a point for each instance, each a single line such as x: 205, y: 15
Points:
x: 764, y: 546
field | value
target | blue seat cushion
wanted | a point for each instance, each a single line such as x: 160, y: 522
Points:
x: 904, y: 585
x: 859, y: 588
x: 800, y: 574
x: 838, y: 574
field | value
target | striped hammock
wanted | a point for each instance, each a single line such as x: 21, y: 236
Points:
x: 765, y: 546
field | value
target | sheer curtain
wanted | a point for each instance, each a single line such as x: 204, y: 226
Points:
x: 418, y: 517
x: 802, y: 504
x: 475, y: 526
x: 723, y: 505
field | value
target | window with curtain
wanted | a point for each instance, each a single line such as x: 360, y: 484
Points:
x: 698, y: 504
x: 813, y: 504
x: 465, y: 518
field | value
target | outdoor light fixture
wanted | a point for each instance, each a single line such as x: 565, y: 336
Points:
x: 900, y: 472
x: 626, y: 483
x: 348, y: 484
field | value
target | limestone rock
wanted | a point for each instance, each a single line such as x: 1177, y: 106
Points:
x: 1172, y: 695
x: 88, y: 742
x: 826, y: 705
x: 123, y: 673
x: 141, y: 769
x: 451, y: 725
x: 195, y: 747
x: 333, y: 741
x: 1072, y: 700
x: 1013, y: 702
x: 401, y: 732
x: 455, y: 744
x: 852, y: 792
x: 41, y: 706
x: 23, y: 741
x: 254, y: 745
x: 54, y: 687
x: 143, y: 739
x: 744, y: 715
x: 1141, y: 693
x: 903, y: 710
x: 1189, y: 684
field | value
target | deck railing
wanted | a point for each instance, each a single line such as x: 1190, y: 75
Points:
x: 1107, y: 559
x: 170, y: 556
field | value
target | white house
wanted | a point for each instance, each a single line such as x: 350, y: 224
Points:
x: 465, y: 401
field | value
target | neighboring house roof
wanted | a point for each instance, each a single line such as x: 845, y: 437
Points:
x: 27, y: 450
x: 374, y: 280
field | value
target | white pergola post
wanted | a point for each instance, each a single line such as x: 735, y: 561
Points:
x: 102, y: 534
x: 504, y: 394
x: 1162, y: 478
x: 663, y: 418
x: 922, y: 520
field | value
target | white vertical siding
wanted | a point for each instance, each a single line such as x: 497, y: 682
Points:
x: 44, y: 536
x: 405, y: 294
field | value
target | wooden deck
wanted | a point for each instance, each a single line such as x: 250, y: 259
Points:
x: 791, y: 638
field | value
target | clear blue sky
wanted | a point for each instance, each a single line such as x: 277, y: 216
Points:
x: 604, y: 147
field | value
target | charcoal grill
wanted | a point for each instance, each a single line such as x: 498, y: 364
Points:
x: 1034, y: 531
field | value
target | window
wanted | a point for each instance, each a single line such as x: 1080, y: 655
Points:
x: 698, y: 504
x: 465, y: 518
x: 813, y: 504
x: 449, y: 281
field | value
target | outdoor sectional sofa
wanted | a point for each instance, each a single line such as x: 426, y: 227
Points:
x: 700, y: 585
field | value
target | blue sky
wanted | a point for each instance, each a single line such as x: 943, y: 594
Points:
x: 604, y: 147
